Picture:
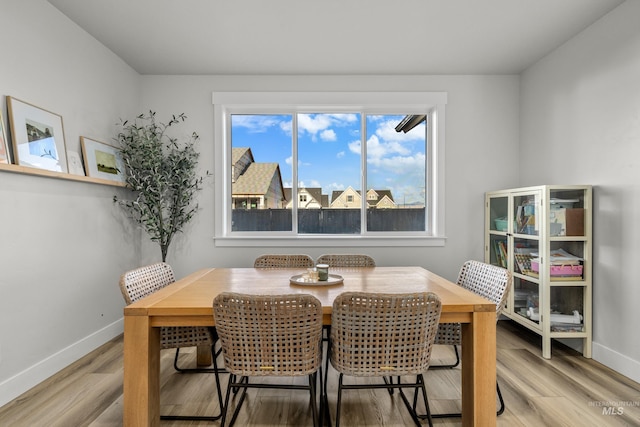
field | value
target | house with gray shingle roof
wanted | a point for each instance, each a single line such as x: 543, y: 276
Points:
x: 255, y: 185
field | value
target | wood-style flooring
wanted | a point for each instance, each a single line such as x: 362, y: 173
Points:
x: 567, y: 390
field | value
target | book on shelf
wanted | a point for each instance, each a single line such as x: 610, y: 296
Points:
x: 523, y: 259
x: 560, y: 257
x: 500, y: 250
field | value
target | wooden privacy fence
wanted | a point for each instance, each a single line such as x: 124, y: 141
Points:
x: 329, y: 221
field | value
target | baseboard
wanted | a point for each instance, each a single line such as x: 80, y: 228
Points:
x: 34, y: 375
x: 616, y: 361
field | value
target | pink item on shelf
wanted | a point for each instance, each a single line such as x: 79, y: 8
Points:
x: 559, y: 270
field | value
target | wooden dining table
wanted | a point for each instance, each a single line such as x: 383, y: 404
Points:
x: 189, y: 302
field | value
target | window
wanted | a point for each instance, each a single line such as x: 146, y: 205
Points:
x: 301, y: 167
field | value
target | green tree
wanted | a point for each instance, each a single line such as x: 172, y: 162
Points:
x: 161, y: 173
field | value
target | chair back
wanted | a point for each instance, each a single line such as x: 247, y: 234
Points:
x: 375, y: 334
x: 488, y: 281
x: 346, y: 260
x: 283, y: 261
x: 140, y: 282
x: 270, y: 335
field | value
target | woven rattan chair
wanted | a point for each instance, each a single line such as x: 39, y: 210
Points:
x: 140, y: 282
x: 269, y: 335
x: 380, y: 335
x: 283, y: 261
x: 490, y: 282
x: 346, y: 260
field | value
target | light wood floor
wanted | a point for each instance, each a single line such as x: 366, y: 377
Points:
x: 567, y: 390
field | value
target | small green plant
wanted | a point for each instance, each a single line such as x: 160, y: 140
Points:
x: 161, y: 172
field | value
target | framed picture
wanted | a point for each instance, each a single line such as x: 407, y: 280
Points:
x: 4, y: 146
x: 75, y: 163
x: 102, y: 160
x: 38, y: 136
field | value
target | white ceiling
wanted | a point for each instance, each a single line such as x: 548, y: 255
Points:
x: 333, y: 37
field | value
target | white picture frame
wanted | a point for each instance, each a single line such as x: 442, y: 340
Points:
x: 102, y: 160
x: 75, y: 164
x: 38, y: 136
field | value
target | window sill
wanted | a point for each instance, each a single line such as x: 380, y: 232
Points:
x: 329, y: 241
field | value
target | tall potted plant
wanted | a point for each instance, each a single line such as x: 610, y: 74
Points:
x: 161, y: 173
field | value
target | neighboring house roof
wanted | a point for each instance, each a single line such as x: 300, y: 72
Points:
x: 384, y: 202
x: 381, y: 194
x: 315, y: 192
x: 238, y: 152
x: 256, y: 179
x: 335, y: 194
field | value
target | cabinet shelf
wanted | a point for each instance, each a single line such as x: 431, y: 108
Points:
x: 526, y: 277
x: 525, y: 321
x: 542, y: 235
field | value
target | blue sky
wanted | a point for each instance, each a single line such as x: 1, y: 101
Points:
x: 329, y: 151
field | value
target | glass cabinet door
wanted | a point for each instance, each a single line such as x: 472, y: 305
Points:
x: 526, y: 208
x: 498, y: 213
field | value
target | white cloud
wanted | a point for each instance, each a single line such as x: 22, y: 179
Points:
x: 286, y: 126
x: 315, y: 124
x: 260, y: 123
x: 355, y: 147
x: 311, y: 184
x: 379, y: 149
x: 328, y: 135
x: 344, y: 119
x: 334, y: 186
x: 403, y: 164
x: 340, y: 154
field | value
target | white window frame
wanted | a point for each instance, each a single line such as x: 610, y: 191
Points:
x: 430, y: 103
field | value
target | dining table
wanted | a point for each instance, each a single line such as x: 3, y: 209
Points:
x: 189, y: 302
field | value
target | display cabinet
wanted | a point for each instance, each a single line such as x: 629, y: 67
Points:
x: 542, y: 235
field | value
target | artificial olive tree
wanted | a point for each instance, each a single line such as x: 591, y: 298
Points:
x: 161, y: 172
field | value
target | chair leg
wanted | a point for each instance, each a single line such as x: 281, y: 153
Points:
x: 458, y: 415
x: 326, y: 415
x: 215, y: 371
x: 232, y: 384
x: 339, y: 401
x: 389, y: 381
x: 243, y: 384
x: 313, y: 382
x: 455, y: 348
x: 194, y: 370
x: 419, y: 386
x: 501, y: 410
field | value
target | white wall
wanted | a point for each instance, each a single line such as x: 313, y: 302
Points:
x: 580, y: 124
x: 481, y: 144
x: 63, y: 244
